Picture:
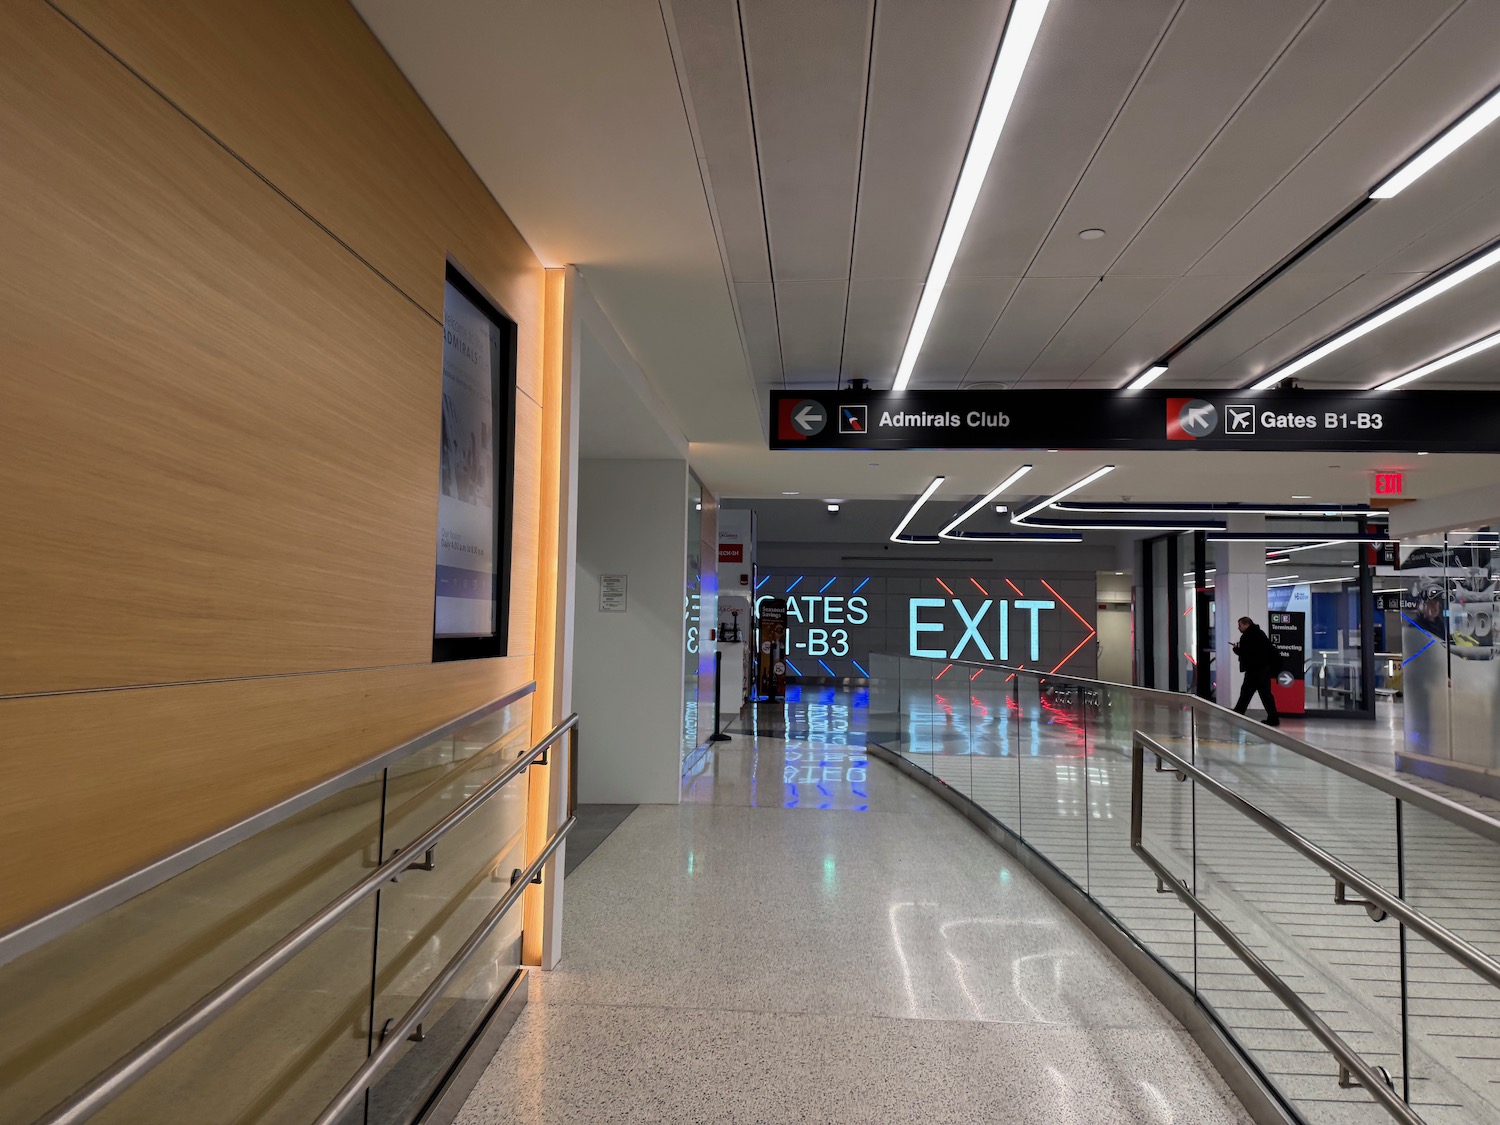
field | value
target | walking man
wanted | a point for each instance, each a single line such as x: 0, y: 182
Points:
x: 1257, y: 662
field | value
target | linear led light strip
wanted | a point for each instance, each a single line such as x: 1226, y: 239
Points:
x: 946, y: 533
x: 1466, y: 128
x: 1440, y: 363
x: 1218, y: 510
x: 1449, y: 141
x: 1420, y: 297
x: 1010, y: 62
x: 896, y: 536
x: 1020, y: 517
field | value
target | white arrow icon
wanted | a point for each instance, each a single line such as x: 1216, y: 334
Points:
x: 809, y: 418
x: 1199, y: 416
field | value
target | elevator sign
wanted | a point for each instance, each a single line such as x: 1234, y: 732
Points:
x: 1356, y: 421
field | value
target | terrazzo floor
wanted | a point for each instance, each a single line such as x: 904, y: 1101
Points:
x: 811, y: 937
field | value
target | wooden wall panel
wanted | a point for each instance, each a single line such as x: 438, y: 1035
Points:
x: 102, y: 783
x: 220, y: 370
x: 219, y: 434
x: 336, y: 126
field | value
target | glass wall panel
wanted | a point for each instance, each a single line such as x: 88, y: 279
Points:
x: 692, y: 598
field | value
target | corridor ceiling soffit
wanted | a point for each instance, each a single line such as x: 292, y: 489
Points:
x: 1211, y: 140
x: 571, y: 113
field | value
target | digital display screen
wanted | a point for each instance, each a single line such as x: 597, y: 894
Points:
x: 834, y: 622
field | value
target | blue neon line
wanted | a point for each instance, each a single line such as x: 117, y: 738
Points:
x: 793, y: 586
x: 762, y: 582
x: 1419, y: 651
x: 829, y: 583
x: 829, y: 670
x: 861, y: 586
x: 861, y: 668
x: 795, y: 670
x: 1424, y: 629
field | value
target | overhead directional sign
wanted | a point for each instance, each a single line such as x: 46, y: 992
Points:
x: 1394, y: 421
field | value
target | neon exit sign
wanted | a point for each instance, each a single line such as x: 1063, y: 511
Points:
x: 926, y: 616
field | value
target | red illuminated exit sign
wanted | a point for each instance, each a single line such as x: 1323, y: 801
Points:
x: 1390, y: 484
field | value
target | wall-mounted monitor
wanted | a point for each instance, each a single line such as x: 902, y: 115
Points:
x: 475, y: 475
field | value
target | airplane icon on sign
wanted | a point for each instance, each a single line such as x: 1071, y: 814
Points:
x: 1239, y: 419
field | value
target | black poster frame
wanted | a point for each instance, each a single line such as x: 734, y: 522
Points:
x: 503, y: 425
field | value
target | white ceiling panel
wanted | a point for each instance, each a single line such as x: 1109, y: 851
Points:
x: 880, y: 313
x: 1161, y: 327
x: 1106, y: 314
x: 1302, y: 332
x: 1087, y: 57
x: 807, y: 81
x: 1446, y: 74
x: 1286, y: 298
x: 963, y: 322
x: 1448, y: 322
x: 758, y: 322
x: 1342, y: 54
x: 710, y: 54
x: 927, y: 81
x: 811, y: 314
x: 1473, y: 227
x: 1040, y: 307
x: 1208, y: 62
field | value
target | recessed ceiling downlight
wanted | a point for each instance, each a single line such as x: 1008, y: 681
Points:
x: 1090, y: 234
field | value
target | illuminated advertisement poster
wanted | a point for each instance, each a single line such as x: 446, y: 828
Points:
x: 834, y: 622
x: 466, y: 563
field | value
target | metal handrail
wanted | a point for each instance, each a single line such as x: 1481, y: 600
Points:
x: 135, y: 1064
x: 1369, y: 1079
x: 54, y: 924
x: 1376, y: 895
x: 396, y: 1035
x: 1469, y: 819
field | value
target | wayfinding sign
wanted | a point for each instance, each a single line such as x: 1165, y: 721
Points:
x: 1395, y: 421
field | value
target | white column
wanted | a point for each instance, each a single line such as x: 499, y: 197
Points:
x: 1239, y: 591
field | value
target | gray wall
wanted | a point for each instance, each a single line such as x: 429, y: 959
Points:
x: 628, y: 668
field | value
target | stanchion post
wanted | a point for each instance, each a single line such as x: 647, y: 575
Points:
x: 718, y: 735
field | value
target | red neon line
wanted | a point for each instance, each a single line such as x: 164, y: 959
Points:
x: 1076, y: 647
x: 1188, y: 657
x: 1020, y: 666
x: 977, y: 673
x: 981, y: 589
x: 941, y: 674
x: 1014, y: 587
x: 1071, y: 610
x: 944, y: 585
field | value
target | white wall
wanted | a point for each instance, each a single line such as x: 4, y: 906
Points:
x: 628, y: 667
x: 1116, y: 647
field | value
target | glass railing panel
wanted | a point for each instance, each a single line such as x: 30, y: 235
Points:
x: 1452, y: 875
x: 1346, y: 967
x: 994, y: 766
x: 916, y: 719
x: 77, y: 1004
x: 1118, y: 880
x: 280, y: 1054
x: 951, y: 729
x: 428, y: 914
x: 883, y: 719
x: 1053, y: 749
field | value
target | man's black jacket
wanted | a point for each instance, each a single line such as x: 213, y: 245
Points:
x: 1257, y: 655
